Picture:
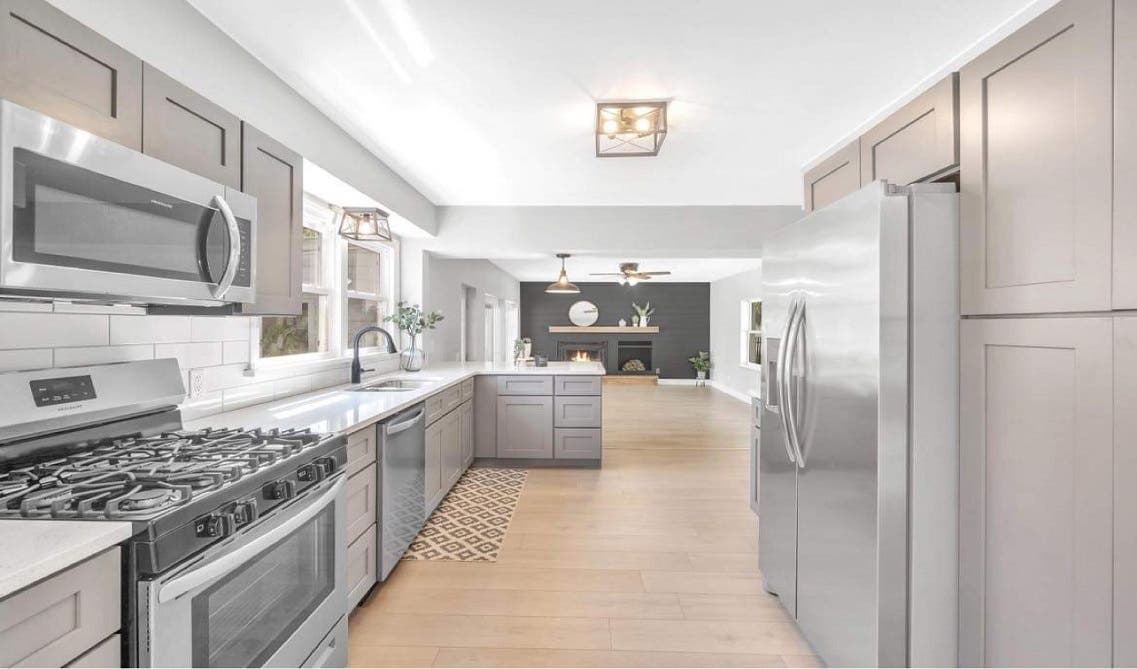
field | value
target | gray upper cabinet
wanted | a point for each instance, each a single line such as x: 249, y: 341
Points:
x: 1036, y: 492
x: 1125, y: 492
x: 273, y: 174
x: 524, y: 426
x: 1035, y: 166
x: 183, y: 128
x: 919, y: 140
x: 833, y: 178
x: 53, y: 64
x: 1125, y: 155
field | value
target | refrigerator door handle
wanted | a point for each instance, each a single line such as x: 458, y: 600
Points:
x: 783, y: 386
x: 789, y: 406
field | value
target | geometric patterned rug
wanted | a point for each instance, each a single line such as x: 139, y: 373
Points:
x: 469, y: 524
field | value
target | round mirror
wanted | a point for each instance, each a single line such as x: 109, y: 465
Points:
x: 583, y: 313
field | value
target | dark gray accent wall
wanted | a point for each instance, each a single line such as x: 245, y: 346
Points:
x: 682, y: 312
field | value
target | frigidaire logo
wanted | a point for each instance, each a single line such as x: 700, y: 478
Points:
x: 69, y: 407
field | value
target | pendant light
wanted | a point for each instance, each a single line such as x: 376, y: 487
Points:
x: 562, y: 285
x: 365, y: 224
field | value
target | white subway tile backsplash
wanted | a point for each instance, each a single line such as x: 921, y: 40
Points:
x: 229, y: 376
x: 236, y: 398
x: 149, y: 329
x: 25, y: 359
x: 219, y: 328
x: 204, y: 405
x: 98, y: 355
x: 39, y: 330
x: 235, y: 351
x: 191, y: 355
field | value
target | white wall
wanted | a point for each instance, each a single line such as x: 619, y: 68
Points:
x: 727, y: 295
x: 443, y: 283
x: 175, y: 38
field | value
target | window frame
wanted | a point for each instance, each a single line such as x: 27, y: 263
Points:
x: 745, y: 331
x: 332, y: 289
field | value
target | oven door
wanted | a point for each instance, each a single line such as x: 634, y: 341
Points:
x: 269, y: 597
x: 85, y: 217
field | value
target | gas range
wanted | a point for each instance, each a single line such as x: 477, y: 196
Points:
x: 213, y: 511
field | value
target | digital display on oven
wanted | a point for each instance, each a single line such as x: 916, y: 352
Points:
x: 48, y: 392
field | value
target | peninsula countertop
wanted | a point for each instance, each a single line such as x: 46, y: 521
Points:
x: 339, y: 409
x: 36, y: 549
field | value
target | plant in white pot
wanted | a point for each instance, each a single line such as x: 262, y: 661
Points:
x: 412, y: 321
x: 702, y: 365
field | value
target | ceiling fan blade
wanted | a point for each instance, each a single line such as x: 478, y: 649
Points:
x: 656, y: 273
x: 606, y: 274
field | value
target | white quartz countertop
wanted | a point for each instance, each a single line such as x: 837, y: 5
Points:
x: 36, y: 549
x: 338, y: 409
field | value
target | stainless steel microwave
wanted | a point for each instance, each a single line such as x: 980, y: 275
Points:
x: 82, y: 217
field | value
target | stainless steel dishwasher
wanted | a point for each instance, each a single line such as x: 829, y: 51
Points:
x: 402, y: 504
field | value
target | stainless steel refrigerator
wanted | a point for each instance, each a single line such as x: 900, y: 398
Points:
x: 859, y: 451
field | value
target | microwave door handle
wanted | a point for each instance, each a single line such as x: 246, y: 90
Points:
x: 210, y: 571
x: 230, y: 274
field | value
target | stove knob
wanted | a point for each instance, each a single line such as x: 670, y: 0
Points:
x: 280, y: 490
x: 310, y: 473
x: 326, y: 466
x: 245, y: 511
x: 215, y: 525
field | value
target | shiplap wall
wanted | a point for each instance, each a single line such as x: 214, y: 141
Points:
x: 40, y: 336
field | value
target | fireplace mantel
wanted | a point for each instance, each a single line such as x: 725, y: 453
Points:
x: 603, y: 329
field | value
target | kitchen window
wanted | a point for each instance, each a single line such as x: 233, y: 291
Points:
x: 346, y: 285
x: 750, y: 336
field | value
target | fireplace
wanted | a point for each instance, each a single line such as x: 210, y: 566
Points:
x: 576, y: 351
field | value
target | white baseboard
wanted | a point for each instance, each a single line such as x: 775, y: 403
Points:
x: 741, y: 397
x: 676, y: 382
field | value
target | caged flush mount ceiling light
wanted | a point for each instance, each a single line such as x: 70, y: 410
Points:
x: 365, y: 224
x: 625, y: 129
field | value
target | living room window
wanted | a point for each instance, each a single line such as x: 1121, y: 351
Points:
x: 750, y: 336
x: 346, y: 285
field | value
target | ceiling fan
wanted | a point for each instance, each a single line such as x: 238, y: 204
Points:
x: 630, y: 274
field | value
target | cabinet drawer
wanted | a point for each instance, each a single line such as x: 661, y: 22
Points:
x: 106, y: 654
x: 577, y: 385
x: 435, y: 407
x: 524, y: 385
x: 360, y: 449
x: 467, y: 390
x: 362, y: 497
x: 362, y: 564
x: 53, y: 622
x: 451, y: 398
x: 576, y: 443
x: 576, y: 412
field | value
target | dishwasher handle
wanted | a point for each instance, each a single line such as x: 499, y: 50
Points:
x: 391, y: 429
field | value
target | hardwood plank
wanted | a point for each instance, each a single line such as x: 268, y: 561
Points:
x: 802, y: 661
x: 408, y: 629
x: 662, y: 561
x: 530, y: 603
x: 703, y: 583
x: 709, y: 636
x: 504, y: 657
x: 736, y: 563
x: 390, y: 656
x: 421, y: 574
x: 733, y: 607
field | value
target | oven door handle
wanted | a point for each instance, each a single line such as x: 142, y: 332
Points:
x: 234, y: 262
x: 230, y: 561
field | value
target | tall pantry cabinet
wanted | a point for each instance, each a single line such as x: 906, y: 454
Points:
x: 1048, y: 382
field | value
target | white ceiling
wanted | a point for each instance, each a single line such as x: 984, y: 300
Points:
x: 492, y: 102
x: 580, y: 268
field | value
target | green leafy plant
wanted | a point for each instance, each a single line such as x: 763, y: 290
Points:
x: 519, y: 346
x: 701, y: 362
x: 643, y: 312
x: 412, y: 320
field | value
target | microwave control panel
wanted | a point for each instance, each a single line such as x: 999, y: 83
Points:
x: 64, y: 390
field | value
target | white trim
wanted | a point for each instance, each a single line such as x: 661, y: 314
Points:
x: 676, y: 382
x: 729, y: 391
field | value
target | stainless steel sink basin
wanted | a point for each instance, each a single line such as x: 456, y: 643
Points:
x: 394, y: 386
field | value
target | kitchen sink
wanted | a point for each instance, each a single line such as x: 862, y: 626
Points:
x: 395, y: 386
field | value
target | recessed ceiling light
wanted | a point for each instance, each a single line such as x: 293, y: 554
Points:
x: 630, y: 128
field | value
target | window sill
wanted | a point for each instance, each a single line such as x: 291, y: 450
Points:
x: 279, y: 367
x: 751, y: 366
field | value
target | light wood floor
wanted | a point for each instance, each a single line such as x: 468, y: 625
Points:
x: 649, y: 561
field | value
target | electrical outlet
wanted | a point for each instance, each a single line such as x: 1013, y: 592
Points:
x: 196, y: 383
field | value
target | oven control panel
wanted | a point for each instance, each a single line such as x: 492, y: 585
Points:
x: 63, y: 390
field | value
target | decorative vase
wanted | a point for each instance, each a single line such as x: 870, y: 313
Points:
x: 644, y: 320
x: 412, y: 358
x: 623, y: 323
x: 700, y: 377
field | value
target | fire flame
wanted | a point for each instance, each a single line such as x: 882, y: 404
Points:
x: 581, y: 356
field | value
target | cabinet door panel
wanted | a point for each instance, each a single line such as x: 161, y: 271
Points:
x: 467, y: 419
x: 1036, y: 456
x: 451, y: 450
x: 1035, y: 168
x: 917, y: 141
x: 1125, y: 493
x: 362, y: 564
x: 834, y: 178
x: 524, y: 427
x: 362, y: 499
x: 433, y: 466
x: 183, y: 128
x: 1125, y: 155
x: 273, y: 174
x: 54, y: 64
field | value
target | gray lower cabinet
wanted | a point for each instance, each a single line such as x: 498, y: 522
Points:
x: 361, y: 449
x: 59, y: 620
x: 451, y: 450
x: 1036, y: 492
x: 577, y: 385
x: 1125, y: 157
x: 433, y: 471
x: 524, y: 385
x: 572, y: 411
x: 54, y: 64
x: 183, y: 128
x: 917, y: 141
x: 1036, y: 177
x: 833, y: 178
x: 1125, y: 492
x: 576, y: 443
x: 466, y: 416
x: 106, y: 654
x: 362, y: 500
x: 274, y: 174
x: 362, y: 564
x: 525, y: 426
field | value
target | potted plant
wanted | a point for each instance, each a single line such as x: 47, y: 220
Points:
x: 412, y: 321
x: 702, y: 364
x: 522, y: 349
x: 643, y: 312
